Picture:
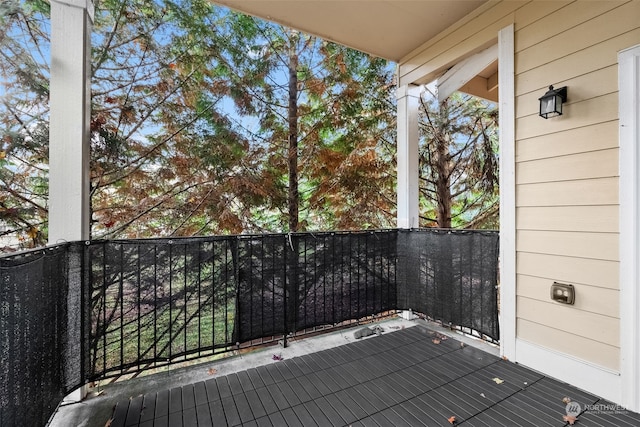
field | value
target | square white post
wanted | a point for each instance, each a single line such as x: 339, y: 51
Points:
x: 69, y: 118
x: 70, y: 109
x: 629, y: 134
x: 408, y: 181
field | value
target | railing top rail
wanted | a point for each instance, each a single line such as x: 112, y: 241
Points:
x: 25, y: 256
x: 249, y: 236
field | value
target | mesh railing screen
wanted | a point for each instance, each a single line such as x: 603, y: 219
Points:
x: 290, y: 283
x: 40, y: 333
x: 80, y: 312
x: 451, y: 276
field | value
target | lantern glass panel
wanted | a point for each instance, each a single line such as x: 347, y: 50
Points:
x: 557, y: 108
x: 547, y: 105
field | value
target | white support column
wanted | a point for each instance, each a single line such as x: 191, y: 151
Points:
x: 629, y: 134
x: 408, y: 181
x: 70, y: 93
x: 506, y: 78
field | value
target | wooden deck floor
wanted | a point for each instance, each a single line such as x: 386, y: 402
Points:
x: 407, y: 377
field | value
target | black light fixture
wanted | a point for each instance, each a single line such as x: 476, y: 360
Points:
x: 551, y: 102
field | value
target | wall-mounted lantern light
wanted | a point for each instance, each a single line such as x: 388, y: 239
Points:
x: 551, y: 102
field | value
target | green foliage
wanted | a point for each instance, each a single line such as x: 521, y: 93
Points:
x: 23, y: 122
x: 344, y: 127
x: 188, y: 126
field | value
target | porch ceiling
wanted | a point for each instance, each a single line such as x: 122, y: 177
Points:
x: 389, y: 29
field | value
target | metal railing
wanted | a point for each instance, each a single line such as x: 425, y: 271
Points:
x: 122, y: 306
x: 156, y: 301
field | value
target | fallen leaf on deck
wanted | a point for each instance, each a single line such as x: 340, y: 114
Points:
x: 505, y: 358
x: 435, y: 341
x: 497, y: 380
x: 482, y: 394
x: 566, y: 400
x: 212, y: 371
x: 461, y: 345
x: 570, y: 419
x: 277, y: 357
x: 452, y: 420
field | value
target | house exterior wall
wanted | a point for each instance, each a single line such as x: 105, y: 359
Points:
x: 566, y: 170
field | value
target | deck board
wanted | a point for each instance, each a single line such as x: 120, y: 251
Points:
x: 175, y: 400
x: 162, y: 404
x: 148, y: 407
x: 408, y: 377
x: 133, y: 413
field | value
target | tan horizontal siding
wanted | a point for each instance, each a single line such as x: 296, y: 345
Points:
x: 601, y: 246
x: 583, y: 34
x: 593, y: 219
x: 594, y: 164
x: 591, y: 272
x: 587, y: 86
x: 567, y: 170
x: 590, y: 299
x: 563, y: 341
x: 595, y: 110
x: 605, y: 329
x: 601, y: 191
x: 533, y: 13
x: 581, y: 140
x: 569, y: 67
x: 559, y: 17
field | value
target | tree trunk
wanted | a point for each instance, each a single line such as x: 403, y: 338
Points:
x: 443, y: 189
x: 444, y: 265
x: 293, y: 198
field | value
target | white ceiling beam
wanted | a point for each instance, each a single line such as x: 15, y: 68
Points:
x: 465, y: 70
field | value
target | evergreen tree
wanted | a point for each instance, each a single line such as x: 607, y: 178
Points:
x: 458, y: 162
